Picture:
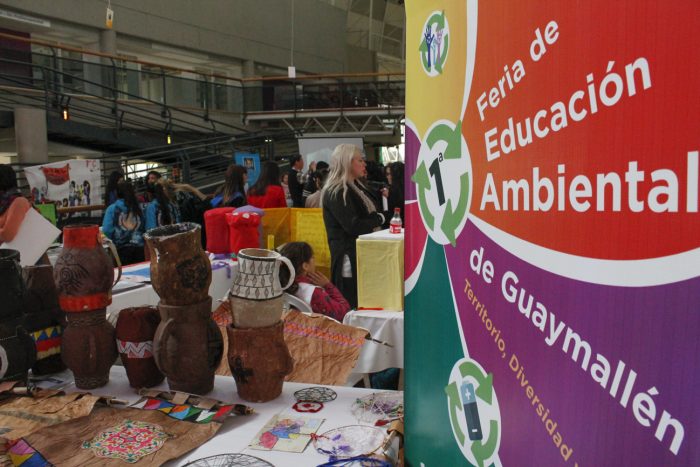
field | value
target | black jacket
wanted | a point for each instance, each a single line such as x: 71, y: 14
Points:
x: 346, y: 220
x: 296, y: 188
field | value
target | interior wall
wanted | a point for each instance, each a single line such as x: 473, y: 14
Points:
x: 257, y: 30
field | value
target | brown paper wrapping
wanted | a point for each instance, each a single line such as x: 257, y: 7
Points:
x: 324, y: 350
x: 62, y: 444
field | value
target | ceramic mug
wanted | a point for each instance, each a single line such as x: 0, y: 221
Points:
x: 258, y: 274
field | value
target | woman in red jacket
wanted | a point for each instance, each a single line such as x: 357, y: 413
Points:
x: 267, y: 191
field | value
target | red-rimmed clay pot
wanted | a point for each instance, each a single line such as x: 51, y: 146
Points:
x: 83, y: 271
x: 188, y: 346
x: 259, y: 361
x: 89, y: 348
x: 180, y: 269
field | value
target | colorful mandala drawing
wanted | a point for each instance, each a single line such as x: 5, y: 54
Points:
x: 128, y: 441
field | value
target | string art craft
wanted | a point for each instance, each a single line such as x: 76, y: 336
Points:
x: 316, y: 394
x: 360, y: 461
x: 229, y: 460
x: 378, y: 406
x: 349, y: 441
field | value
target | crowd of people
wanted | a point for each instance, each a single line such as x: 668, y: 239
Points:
x: 357, y: 197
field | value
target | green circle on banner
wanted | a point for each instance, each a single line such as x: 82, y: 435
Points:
x: 443, y: 181
x: 474, y: 412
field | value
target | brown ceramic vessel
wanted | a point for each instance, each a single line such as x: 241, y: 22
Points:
x: 188, y: 346
x: 136, y: 328
x: 89, y: 348
x: 259, y: 361
x: 180, y: 269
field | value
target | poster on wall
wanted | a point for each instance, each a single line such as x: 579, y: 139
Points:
x: 251, y: 161
x: 553, y: 234
x: 76, y: 182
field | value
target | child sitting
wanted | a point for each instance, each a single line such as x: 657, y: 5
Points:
x: 311, y: 286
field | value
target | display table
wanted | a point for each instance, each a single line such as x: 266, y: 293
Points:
x: 129, y: 293
x: 385, y: 326
x: 237, y: 432
x: 380, y: 270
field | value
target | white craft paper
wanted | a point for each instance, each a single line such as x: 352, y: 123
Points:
x: 34, y: 237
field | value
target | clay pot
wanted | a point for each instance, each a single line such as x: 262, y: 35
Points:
x: 258, y: 274
x: 17, y: 355
x: 83, y: 271
x: 180, y: 269
x: 188, y: 346
x: 135, y: 330
x: 259, y: 361
x: 255, y: 313
x: 89, y: 348
x: 12, y: 285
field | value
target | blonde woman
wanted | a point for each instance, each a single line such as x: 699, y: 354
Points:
x: 350, y: 209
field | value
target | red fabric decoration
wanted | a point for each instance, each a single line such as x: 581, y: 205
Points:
x: 217, y: 230
x: 243, y: 230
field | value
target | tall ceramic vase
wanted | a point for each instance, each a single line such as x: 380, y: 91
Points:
x: 83, y: 276
x: 89, y: 348
x: 180, y: 269
x: 187, y: 346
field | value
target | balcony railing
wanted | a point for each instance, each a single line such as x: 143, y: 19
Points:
x: 65, y: 70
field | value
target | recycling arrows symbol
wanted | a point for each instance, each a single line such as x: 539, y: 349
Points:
x: 453, y: 214
x: 485, y: 450
x: 439, y: 20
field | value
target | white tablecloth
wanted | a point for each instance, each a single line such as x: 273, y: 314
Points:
x: 238, y: 432
x: 385, y: 326
x: 143, y: 294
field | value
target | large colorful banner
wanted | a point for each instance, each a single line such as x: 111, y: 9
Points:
x: 75, y: 182
x: 553, y: 245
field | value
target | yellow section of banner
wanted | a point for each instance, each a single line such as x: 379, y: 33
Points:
x: 436, y: 53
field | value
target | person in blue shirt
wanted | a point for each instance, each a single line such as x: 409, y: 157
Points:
x: 123, y: 223
x: 162, y: 210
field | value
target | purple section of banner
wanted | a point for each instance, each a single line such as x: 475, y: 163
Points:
x: 412, y: 148
x: 653, y: 330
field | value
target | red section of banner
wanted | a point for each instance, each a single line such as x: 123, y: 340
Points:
x: 57, y: 176
x: 629, y: 90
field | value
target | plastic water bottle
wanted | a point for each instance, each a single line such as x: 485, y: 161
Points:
x: 395, y: 223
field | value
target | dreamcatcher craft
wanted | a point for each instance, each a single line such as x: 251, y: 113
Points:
x: 316, y: 394
x: 229, y: 460
x: 379, y: 406
x: 349, y: 441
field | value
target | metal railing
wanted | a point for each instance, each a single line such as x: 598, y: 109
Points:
x: 122, y: 79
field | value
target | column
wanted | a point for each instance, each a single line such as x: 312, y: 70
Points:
x: 30, y: 135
